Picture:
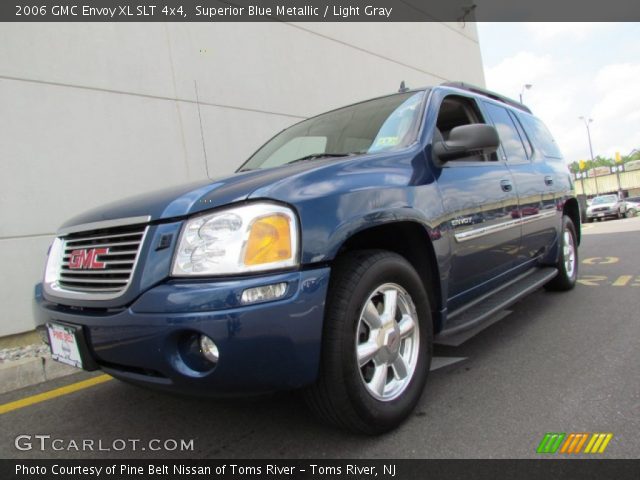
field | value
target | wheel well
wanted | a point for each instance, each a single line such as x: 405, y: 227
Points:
x: 411, y: 240
x: 572, y: 210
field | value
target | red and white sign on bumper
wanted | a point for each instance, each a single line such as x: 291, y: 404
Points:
x: 64, y: 346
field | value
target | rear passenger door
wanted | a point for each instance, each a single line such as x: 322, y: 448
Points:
x: 533, y: 184
x: 478, y: 197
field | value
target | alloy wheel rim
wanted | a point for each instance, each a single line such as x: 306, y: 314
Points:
x: 569, y: 253
x: 387, y: 342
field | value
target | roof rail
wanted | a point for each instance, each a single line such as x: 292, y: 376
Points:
x: 487, y: 93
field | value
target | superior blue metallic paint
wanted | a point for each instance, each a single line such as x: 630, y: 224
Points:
x: 264, y: 347
x: 276, y: 345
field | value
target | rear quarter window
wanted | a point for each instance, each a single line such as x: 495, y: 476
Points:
x: 540, y: 135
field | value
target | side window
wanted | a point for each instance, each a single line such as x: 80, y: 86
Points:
x: 509, y: 136
x: 456, y: 111
x: 539, y: 135
x: 523, y: 136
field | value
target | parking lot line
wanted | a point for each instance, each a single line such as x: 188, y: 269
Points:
x: 58, y: 392
x: 622, y: 280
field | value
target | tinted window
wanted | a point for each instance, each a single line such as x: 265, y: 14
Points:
x: 540, y: 135
x: 523, y: 136
x: 509, y: 137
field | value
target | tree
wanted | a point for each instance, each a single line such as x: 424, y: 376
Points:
x: 601, y: 161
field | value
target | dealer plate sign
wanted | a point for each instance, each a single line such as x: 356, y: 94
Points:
x: 64, y: 345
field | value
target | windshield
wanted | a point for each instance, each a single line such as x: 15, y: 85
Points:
x: 605, y: 199
x: 378, y: 125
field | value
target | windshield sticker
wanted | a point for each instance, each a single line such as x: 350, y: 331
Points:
x: 387, y: 141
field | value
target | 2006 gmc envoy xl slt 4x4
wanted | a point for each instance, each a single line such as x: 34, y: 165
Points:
x: 330, y: 262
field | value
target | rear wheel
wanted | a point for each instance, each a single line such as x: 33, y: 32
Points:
x: 568, y: 260
x: 376, y: 343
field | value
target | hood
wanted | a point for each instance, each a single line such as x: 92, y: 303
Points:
x: 192, y: 197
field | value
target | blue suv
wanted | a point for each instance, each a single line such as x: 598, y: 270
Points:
x: 330, y: 262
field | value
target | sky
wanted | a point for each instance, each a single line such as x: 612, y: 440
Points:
x: 575, y: 69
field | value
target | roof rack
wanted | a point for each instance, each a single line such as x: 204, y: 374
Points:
x: 487, y: 93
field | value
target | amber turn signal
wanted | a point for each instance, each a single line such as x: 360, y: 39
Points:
x: 269, y: 240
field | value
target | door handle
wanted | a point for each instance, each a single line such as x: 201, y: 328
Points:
x: 506, y: 185
x: 548, y: 180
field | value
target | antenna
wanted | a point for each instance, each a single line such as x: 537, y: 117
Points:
x: 403, y: 88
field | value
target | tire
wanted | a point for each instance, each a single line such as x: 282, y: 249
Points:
x: 363, y: 395
x: 630, y: 213
x: 567, y: 264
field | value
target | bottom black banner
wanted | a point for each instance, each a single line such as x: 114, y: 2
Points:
x: 321, y: 469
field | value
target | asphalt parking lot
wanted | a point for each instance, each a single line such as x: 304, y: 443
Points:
x: 558, y: 363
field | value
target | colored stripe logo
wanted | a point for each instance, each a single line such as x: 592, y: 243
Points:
x: 574, y: 443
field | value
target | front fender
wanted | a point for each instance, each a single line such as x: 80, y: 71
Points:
x: 327, y: 222
x: 364, y: 221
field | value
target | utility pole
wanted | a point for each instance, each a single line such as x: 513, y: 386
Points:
x: 618, y: 167
x: 587, y: 121
x: 582, y: 174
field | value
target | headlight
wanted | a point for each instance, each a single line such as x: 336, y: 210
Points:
x: 54, y: 262
x: 255, y: 237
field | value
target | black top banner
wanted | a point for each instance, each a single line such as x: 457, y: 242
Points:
x: 318, y: 10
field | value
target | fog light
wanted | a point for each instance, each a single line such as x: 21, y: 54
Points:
x: 209, y: 349
x: 264, y: 293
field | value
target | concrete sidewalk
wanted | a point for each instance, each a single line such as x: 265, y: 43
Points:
x: 23, y: 364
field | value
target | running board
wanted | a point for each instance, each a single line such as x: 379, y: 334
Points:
x: 457, y: 339
x: 488, y: 305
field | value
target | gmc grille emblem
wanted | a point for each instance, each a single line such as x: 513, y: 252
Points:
x: 87, y: 258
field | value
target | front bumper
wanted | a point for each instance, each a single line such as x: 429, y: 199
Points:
x: 603, y: 214
x: 263, y: 347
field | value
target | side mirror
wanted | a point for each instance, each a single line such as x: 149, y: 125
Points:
x: 468, y: 140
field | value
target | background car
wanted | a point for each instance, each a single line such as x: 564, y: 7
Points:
x: 605, y: 206
x: 632, y: 206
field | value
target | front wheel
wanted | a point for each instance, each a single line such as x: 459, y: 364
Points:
x: 630, y: 213
x: 568, y: 259
x: 377, y: 343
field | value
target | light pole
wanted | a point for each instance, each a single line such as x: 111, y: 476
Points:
x: 587, y: 121
x: 526, y: 86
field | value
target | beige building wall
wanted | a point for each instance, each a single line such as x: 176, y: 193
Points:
x: 629, y: 181
x: 94, y: 112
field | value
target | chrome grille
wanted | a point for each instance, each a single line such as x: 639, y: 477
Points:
x: 101, y: 262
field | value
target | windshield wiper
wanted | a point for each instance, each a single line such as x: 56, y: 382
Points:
x: 315, y: 156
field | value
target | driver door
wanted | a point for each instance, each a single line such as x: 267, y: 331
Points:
x: 479, y: 200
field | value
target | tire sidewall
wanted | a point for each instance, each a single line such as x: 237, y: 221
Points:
x: 567, y: 224
x: 386, y: 414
